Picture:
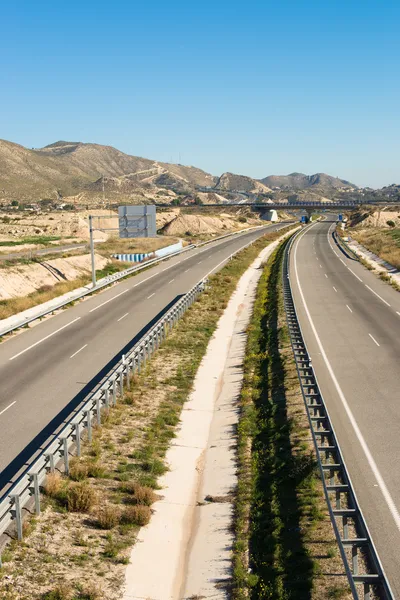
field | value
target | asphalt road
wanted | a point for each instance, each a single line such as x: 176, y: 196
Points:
x: 46, y: 371
x: 351, y: 325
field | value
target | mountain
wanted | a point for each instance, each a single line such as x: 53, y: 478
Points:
x: 241, y: 183
x: 71, y: 168
x: 299, y: 181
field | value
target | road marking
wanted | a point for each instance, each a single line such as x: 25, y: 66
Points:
x: 326, y: 275
x: 151, y: 295
x: 43, y: 339
x: 200, y: 261
x: 373, y: 339
x: 334, y: 288
x: 342, y: 261
x: 385, y: 492
x: 7, y: 407
x: 186, y: 270
x: 380, y: 297
x: 77, y: 352
x: 397, y: 313
x: 107, y: 301
x: 171, y: 281
x: 349, y: 308
x: 351, y: 271
x: 123, y: 317
x: 320, y: 266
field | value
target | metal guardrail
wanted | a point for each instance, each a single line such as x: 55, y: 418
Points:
x: 69, y: 439
x: 354, y: 540
x: 344, y: 246
x: 112, y: 278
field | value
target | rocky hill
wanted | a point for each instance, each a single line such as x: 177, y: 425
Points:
x: 241, y: 183
x: 299, y: 181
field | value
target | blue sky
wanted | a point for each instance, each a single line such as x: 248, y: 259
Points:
x: 256, y: 88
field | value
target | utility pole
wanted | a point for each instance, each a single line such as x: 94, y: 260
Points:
x: 92, y: 250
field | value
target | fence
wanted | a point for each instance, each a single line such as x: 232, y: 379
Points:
x: 355, y: 544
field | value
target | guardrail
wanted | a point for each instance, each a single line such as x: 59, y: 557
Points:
x: 354, y: 540
x: 344, y: 246
x: 112, y: 278
x: 27, y: 488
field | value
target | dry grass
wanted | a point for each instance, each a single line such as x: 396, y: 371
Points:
x: 139, y: 494
x: 384, y: 243
x: 53, y: 485
x: 81, y: 497
x: 139, y: 515
x: 108, y: 516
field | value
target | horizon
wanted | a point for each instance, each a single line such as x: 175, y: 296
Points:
x: 295, y: 87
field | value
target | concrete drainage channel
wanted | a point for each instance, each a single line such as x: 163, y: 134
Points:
x: 362, y: 565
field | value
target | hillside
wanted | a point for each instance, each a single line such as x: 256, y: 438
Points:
x: 299, y: 181
x: 241, y: 183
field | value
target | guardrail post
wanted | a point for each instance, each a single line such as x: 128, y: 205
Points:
x: 18, y: 514
x: 78, y: 439
x: 121, y: 383
x: 98, y: 411
x: 354, y: 556
x: 367, y: 595
x: 89, y: 425
x: 36, y: 491
x: 65, y: 454
x: 114, y: 392
x: 50, y: 456
x: 107, y: 398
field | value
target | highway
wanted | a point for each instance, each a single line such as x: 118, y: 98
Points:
x: 48, y: 370
x: 351, y: 325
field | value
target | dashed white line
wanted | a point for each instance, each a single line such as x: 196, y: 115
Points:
x: 7, y: 407
x: 109, y: 300
x: 374, y: 467
x: 77, y: 352
x: 349, y: 308
x: 397, y: 313
x: 200, y: 261
x: 151, y: 295
x: 326, y: 275
x: 334, y: 288
x: 380, y: 297
x: 43, y: 339
x: 171, y: 281
x: 373, y: 339
x: 123, y: 317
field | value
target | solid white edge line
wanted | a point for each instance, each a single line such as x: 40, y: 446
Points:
x: 373, y: 339
x: 7, y: 407
x: 43, y: 339
x: 123, y: 317
x: 109, y: 300
x: 355, y: 275
x: 385, y: 492
x: 380, y: 297
x: 77, y: 352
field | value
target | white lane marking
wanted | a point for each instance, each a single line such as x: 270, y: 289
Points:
x: 186, y: 270
x: 326, y: 275
x: 334, y: 288
x: 386, y: 494
x: 171, y: 281
x: 380, y: 297
x: 349, y: 308
x: 151, y: 295
x: 109, y: 300
x: 43, y: 339
x: 7, y: 407
x: 397, y: 313
x: 320, y: 266
x: 123, y: 317
x: 351, y: 271
x: 342, y: 261
x: 336, y: 253
x: 200, y: 261
x: 77, y: 352
x: 373, y: 339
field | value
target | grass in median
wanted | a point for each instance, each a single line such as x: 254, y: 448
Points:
x: 285, y: 546
x: 91, y: 518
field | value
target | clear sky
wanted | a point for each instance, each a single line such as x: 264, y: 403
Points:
x: 256, y: 88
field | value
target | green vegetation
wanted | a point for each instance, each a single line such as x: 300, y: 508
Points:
x: 33, y: 239
x: 280, y: 509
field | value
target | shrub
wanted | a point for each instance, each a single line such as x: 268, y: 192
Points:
x: 81, y: 497
x: 138, y: 514
x: 242, y: 220
x: 53, y: 485
x: 108, y: 516
x: 62, y: 591
x: 391, y: 223
x: 78, y: 470
x: 139, y: 494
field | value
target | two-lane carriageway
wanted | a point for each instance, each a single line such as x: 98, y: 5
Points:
x: 351, y: 325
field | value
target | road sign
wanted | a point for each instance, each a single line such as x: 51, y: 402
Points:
x: 137, y: 221
x: 340, y: 217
